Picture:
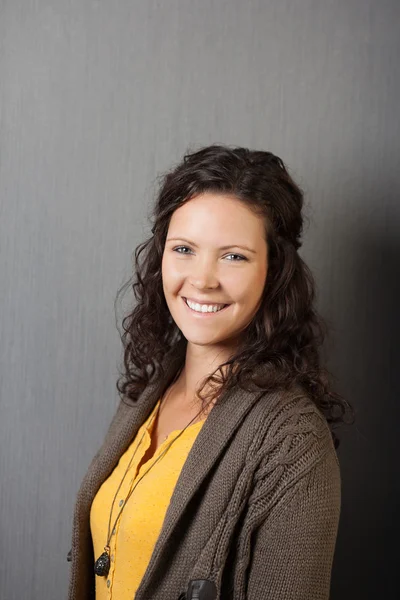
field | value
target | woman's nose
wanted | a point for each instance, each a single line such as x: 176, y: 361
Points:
x: 203, y: 274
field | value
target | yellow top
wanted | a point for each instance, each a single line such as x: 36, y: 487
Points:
x: 139, y: 525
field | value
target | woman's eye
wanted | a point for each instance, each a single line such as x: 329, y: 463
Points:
x: 239, y: 257
x: 180, y: 248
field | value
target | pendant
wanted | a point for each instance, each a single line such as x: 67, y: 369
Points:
x: 102, y: 564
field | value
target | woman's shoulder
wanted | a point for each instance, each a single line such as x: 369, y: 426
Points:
x: 295, y: 452
x: 295, y: 410
x: 294, y: 432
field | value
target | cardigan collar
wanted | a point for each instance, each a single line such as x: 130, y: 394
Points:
x: 220, y: 425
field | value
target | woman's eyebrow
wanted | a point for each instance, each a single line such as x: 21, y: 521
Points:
x: 181, y: 239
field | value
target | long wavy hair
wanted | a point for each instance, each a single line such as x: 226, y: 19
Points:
x: 285, y: 335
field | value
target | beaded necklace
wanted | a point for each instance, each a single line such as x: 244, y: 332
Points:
x: 102, y: 564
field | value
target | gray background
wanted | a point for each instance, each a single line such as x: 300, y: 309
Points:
x: 97, y: 99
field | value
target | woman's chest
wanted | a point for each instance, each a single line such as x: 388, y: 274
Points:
x: 170, y: 422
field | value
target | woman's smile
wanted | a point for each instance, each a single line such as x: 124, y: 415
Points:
x: 203, y: 313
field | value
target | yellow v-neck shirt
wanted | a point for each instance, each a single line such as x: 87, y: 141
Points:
x: 140, y: 522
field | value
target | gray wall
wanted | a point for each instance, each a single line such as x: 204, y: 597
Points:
x: 97, y: 99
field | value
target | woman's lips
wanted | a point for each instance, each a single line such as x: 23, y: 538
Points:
x: 195, y: 313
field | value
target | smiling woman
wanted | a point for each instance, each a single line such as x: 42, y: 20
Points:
x: 218, y: 478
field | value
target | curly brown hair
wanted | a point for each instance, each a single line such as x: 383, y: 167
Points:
x: 285, y: 335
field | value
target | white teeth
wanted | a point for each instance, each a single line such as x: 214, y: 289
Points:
x: 204, y: 307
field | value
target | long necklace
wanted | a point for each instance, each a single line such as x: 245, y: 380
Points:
x: 102, y: 564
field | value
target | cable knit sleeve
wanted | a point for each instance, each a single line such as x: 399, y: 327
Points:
x: 295, y: 522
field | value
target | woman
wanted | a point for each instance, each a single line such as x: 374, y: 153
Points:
x: 218, y: 477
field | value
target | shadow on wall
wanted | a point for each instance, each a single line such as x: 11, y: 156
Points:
x: 366, y: 359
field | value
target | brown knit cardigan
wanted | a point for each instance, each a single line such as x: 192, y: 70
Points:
x: 256, y: 508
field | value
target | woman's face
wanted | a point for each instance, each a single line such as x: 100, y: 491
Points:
x: 215, y: 253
